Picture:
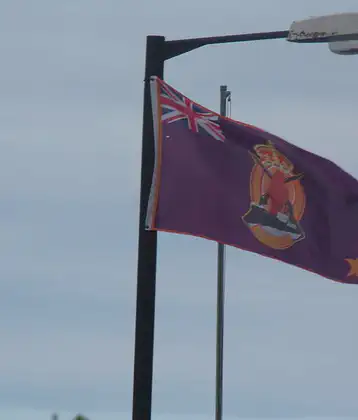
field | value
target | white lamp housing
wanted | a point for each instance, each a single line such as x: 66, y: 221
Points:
x: 336, y: 27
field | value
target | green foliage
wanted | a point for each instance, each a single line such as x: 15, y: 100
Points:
x: 80, y: 417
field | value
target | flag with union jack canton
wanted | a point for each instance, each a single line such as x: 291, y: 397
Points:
x: 236, y: 184
x: 171, y: 107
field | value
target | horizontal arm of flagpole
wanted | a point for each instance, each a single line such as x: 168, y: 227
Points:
x: 182, y: 46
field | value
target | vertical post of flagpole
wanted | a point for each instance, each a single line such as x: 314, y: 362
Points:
x: 147, y: 248
x: 224, y: 95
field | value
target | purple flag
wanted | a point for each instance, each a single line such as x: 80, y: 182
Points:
x: 236, y: 184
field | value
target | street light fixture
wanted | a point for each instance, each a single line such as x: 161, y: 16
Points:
x: 330, y: 29
x: 339, y: 30
x: 337, y: 27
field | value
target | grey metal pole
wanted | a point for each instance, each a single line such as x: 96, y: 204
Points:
x: 224, y: 96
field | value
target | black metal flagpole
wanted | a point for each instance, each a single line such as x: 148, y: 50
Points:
x: 147, y: 248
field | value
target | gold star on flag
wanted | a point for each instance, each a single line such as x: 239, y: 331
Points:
x: 353, y: 267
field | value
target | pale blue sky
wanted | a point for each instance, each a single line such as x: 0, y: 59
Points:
x: 70, y: 135
x: 45, y: 415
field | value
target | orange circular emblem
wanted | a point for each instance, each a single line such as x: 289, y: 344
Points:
x: 277, y: 199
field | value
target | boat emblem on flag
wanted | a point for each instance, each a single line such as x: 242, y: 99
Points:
x: 277, y: 199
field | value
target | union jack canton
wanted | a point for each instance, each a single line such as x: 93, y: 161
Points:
x: 176, y: 107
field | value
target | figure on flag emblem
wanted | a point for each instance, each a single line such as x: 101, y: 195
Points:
x: 277, y: 199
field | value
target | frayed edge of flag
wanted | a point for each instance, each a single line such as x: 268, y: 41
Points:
x: 152, y: 201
